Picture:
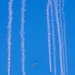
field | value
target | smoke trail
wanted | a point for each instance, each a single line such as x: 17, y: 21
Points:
x: 53, y: 38
x: 59, y: 37
x: 22, y: 37
x: 49, y: 38
x: 64, y: 23
x: 9, y: 33
x: 60, y: 18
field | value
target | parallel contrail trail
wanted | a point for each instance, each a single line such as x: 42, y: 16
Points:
x: 53, y: 38
x: 9, y: 33
x: 64, y: 23
x: 49, y: 36
x: 59, y: 37
x: 22, y: 37
x: 61, y: 27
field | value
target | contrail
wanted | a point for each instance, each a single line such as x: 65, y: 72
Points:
x: 53, y: 38
x: 59, y: 37
x: 22, y: 37
x: 9, y: 33
x: 64, y: 23
x: 49, y: 36
x: 61, y: 27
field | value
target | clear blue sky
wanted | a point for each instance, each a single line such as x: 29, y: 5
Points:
x: 35, y: 35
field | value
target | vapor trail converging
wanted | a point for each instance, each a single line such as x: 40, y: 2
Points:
x: 56, y: 20
x: 62, y: 38
x: 22, y: 37
x: 64, y: 23
x: 59, y: 37
x: 53, y: 38
x: 9, y: 33
x: 49, y: 38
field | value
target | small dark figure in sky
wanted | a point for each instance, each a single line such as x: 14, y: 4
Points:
x: 34, y: 64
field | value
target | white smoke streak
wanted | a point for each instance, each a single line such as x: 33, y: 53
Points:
x: 22, y: 37
x: 59, y: 36
x: 9, y: 33
x: 64, y: 23
x: 61, y: 27
x: 53, y: 38
x: 49, y: 35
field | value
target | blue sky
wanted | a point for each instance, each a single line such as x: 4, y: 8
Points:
x: 35, y: 37
x: 70, y: 29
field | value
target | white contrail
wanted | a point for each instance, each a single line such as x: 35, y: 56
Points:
x: 49, y: 36
x: 61, y: 27
x: 9, y: 33
x: 22, y: 37
x: 59, y: 36
x: 64, y: 23
x: 53, y: 38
